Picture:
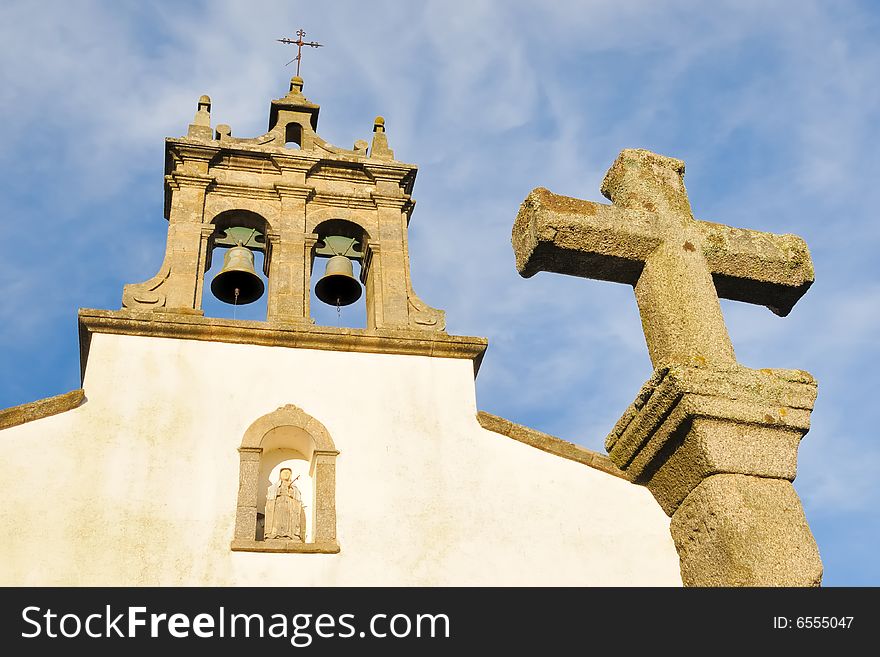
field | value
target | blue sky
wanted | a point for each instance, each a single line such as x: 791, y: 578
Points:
x: 774, y: 106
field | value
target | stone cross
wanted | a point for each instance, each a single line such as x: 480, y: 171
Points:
x: 679, y: 266
x: 715, y: 442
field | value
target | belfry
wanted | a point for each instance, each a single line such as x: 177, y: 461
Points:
x: 294, y: 197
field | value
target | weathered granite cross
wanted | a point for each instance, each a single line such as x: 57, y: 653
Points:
x: 715, y: 442
x: 679, y: 266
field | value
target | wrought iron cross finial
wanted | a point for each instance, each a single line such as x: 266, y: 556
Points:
x: 299, y: 43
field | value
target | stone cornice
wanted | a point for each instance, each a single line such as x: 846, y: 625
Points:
x: 192, y: 150
x: 286, y: 157
x: 295, y: 191
x: 343, y: 200
x: 177, y: 180
x: 289, y: 162
x: 11, y: 417
x: 244, y: 191
x: 547, y: 443
x: 230, y: 160
x: 675, y: 395
x: 771, y: 408
x: 351, y: 172
x: 235, y: 157
x: 397, y: 202
x: 402, y: 174
x: 300, y: 336
x: 390, y: 171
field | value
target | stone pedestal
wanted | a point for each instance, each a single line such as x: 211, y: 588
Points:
x: 718, y: 450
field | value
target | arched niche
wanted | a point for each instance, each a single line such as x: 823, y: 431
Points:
x: 287, y: 447
x: 287, y: 437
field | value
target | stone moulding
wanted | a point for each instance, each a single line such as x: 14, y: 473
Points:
x: 282, y: 546
x: 185, y: 326
x: 11, y: 417
x: 667, y: 440
x: 547, y: 443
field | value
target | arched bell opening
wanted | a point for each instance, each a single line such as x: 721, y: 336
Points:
x: 235, y: 282
x: 338, y: 290
x: 293, y: 134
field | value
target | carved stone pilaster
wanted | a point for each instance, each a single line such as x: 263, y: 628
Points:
x: 248, y: 484
x: 288, y: 281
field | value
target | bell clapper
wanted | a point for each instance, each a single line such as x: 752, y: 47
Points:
x: 338, y: 312
x: 235, y: 303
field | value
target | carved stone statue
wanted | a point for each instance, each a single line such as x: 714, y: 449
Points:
x: 285, y: 516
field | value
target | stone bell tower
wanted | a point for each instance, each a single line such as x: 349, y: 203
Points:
x: 295, y: 197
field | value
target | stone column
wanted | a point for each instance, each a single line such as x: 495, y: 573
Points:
x: 325, y: 497
x: 288, y: 297
x: 185, y: 250
x: 309, y: 241
x: 249, y: 474
x: 371, y: 277
x: 204, y: 260
x: 393, y: 270
x: 718, y: 450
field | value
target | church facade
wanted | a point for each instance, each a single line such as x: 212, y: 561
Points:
x: 211, y: 451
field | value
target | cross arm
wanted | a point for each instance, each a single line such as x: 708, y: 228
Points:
x: 757, y: 267
x: 580, y: 238
x: 593, y: 240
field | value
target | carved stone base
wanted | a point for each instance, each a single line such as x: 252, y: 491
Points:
x: 718, y: 450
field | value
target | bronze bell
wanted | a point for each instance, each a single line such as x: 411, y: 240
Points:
x: 237, y: 274
x: 338, y: 286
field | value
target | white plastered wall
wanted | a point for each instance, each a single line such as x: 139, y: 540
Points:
x: 138, y: 486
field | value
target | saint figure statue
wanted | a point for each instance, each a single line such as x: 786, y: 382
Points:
x: 285, y: 517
